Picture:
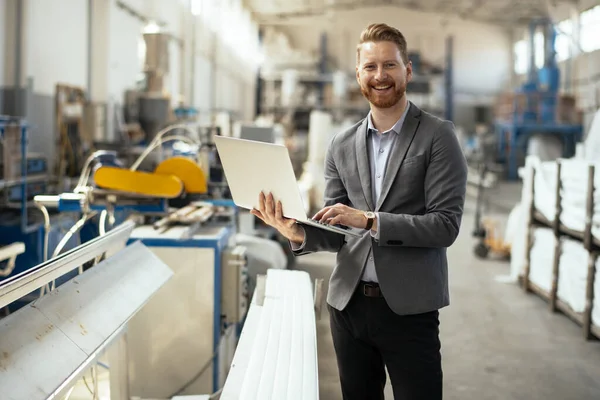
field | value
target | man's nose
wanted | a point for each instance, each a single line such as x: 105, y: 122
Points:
x: 380, y: 75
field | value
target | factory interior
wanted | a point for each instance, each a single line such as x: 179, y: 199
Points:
x: 129, y: 272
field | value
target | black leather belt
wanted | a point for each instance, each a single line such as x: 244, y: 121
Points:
x: 369, y: 289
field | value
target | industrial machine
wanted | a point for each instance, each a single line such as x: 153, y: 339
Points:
x: 25, y: 175
x: 537, y: 107
x: 200, y: 311
x: 138, y: 323
x: 149, y: 107
x: 80, y: 324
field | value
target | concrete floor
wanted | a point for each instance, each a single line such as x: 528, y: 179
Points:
x: 497, y: 342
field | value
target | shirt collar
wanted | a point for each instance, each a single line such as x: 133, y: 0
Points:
x: 397, y: 126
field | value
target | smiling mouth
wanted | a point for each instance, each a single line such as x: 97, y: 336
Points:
x: 381, y: 88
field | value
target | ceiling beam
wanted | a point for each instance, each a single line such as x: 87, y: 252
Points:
x: 507, y: 18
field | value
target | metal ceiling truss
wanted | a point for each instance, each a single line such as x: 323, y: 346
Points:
x: 497, y: 12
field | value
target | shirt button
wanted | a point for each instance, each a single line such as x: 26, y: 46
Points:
x: 381, y: 150
x: 371, y: 258
x: 379, y: 176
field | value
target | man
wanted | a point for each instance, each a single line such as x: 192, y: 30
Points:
x: 400, y: 175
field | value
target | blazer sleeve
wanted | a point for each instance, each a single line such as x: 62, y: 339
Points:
x: 316, y: 239
x: 445, y: 188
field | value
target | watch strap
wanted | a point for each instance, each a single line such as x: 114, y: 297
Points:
x: 369, y: 223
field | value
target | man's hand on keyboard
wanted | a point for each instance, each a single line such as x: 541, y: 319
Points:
x: 340, y: 214
x: 271, y: 213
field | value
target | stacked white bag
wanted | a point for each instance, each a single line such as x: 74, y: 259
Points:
x: 574, y: 185
x: 542, y: 254
x: 572, y: 274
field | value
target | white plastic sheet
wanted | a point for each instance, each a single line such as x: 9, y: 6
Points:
x: 572, y: 271
x: 574, y: 181
x: 592, y: 140
x: 572, y: 274
x: 542, y: 256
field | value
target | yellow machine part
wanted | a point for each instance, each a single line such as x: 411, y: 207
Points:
x: 143, y: 183
x: 190, y: 173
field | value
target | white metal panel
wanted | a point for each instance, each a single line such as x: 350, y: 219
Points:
x: 276, y: 357
x: 77, y: 309
x: 171, y: 338
x: 48, y: 343
x: 29, y: 342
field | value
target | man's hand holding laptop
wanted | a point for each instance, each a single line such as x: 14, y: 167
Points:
x: 271, y: 213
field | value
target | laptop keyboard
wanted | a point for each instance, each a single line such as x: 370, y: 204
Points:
x: 331, y: 226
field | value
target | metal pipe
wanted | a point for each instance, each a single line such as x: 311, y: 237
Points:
x: 44, y: 211
x: 85, y: 173
x: 150, y: 148
x: 78, y: 225
x: 23, y: 176
x: 18, y: 57
x: 158, y: 140
x: 89, y: 47
x: 74, y: 229
x: 10, y: 253
x: 191, y: 83
x: 449, y: 82
x: 102, y: 223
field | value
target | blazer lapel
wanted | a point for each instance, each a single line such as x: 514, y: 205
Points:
x: 362, y: 161
x: 396, y: 157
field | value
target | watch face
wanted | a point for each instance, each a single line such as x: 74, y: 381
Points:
x: 370, y: 214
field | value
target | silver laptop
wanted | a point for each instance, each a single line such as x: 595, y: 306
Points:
x: 251, y: 167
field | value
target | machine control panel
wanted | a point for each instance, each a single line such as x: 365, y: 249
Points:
x: 234, y: 294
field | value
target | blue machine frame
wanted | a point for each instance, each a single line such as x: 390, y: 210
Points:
x: 218, y: 245
x: 540, y: 93
x: 19, y: 229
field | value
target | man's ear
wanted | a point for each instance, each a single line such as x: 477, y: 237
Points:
x: 409, y: 71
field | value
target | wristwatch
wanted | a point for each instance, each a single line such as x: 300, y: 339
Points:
x: 370, y: 219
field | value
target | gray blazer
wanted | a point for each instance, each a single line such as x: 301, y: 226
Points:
x: 420, y: 212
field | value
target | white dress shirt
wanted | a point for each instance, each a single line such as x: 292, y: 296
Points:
x: 380, y: 146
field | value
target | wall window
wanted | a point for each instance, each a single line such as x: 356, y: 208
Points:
x: 590, y: 29
x: 522, y: 55
x: 521, y: 58
x: 564, y: 32
x: 196, y: 7
x: 540, y: 49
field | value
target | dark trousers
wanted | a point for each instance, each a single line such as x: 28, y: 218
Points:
x: 368, y: 335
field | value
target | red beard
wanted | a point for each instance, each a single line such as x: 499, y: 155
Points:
x: 383, y: 100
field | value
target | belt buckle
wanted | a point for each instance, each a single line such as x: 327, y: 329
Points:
x: 366, y: 291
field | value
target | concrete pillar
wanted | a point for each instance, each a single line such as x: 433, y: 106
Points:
x: 99, y: 57
x: 188, y: 35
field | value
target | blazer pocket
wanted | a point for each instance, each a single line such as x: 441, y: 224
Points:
x: 413, y: 160
x: 412, y: 169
